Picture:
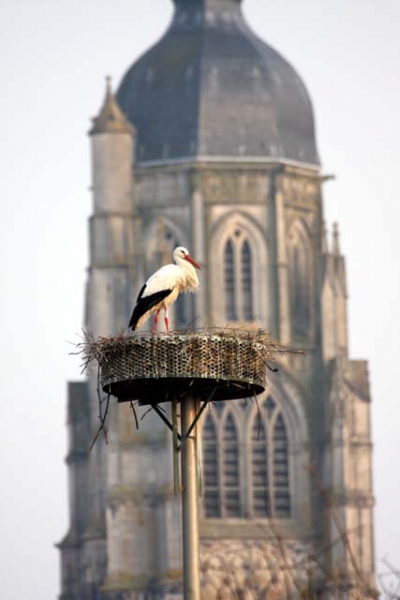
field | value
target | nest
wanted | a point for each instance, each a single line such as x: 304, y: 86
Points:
x: 224, y: 363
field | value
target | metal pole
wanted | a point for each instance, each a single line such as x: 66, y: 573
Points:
x: 190, y: 520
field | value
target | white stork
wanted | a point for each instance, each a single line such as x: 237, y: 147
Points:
x: 164, y: 287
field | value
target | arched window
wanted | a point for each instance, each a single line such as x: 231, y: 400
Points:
x: 212, y: 501
x: 270, y: 463
x: 238, y: 275
x: 259, y: 467
x: 281, y: 469
x: 300, y: 280
x: 247, y: 282
x: 269, y: 407
x: 230, y: 469
x: 230, y: 293
x: 262, y: 490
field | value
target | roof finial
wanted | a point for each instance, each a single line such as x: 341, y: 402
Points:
x: 335, y: 240
x: 108, y: 85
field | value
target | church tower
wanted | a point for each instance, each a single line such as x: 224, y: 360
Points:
x: 210, y: 143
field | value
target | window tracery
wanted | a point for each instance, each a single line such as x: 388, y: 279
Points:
x: 281, y: 469
x: 230, y: 468
x: 265, y: 488
x: 270, y: 462
x: 247, y: 281
x: 259, y: 464
x: 210, y: 469
x: 238, y: 274
x: 230, y: 287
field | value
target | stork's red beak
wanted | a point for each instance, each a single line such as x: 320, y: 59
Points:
x: 192, y: 261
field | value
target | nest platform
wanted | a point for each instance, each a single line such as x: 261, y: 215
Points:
x: 223, y: 364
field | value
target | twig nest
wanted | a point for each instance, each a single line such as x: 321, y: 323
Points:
x: 219, y: 364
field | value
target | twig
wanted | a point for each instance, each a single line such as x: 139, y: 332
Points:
x: 391, y: 568
x: 146, y: 413
x: 102, y: 424
x: 134, y: 414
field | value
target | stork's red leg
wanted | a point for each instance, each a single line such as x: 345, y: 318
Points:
x: 166, y: 319
x: 156, y: 320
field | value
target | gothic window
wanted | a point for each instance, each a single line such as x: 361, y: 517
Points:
x: 230, y: 468
x: 230, y: 291
x: 238, y: 265
x: 281, y: 469
x: 270, y: 463
x: 247, y: 282
x: 259, y: 466
x: 300, y: 280
x: 212, y: 501
x: 264, y: 489
x: 269, y: 407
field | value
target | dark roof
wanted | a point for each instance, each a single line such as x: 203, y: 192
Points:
x: 210, y: 87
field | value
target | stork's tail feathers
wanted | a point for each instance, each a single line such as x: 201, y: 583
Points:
x: 134, y: 320
x: 132, y: 324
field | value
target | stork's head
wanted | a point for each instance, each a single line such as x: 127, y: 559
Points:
x: 181, y: 253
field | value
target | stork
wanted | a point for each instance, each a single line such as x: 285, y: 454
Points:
x: 163, y: 288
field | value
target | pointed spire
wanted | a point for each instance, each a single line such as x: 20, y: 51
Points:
x: 108, y: 86
x: 335, y: 240
x: 110, y: 119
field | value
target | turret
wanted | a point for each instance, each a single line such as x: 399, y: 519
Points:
x: 112, y: 150
x: 348, y: 454
x: 108, y: 295
x: 111, y: 230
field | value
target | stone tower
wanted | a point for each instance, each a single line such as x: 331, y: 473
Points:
x: 210, y: 143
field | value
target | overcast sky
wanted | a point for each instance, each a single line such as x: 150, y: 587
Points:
x: 54, y: 57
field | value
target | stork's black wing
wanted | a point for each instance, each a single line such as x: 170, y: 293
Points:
x: 141, y: 292
x: 146, y: 303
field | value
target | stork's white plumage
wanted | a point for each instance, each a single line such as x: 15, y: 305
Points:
x: 163, y: 288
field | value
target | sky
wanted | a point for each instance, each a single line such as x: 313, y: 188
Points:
x: 53, y: 60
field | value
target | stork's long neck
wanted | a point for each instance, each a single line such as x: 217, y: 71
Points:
x: 191, y: 280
